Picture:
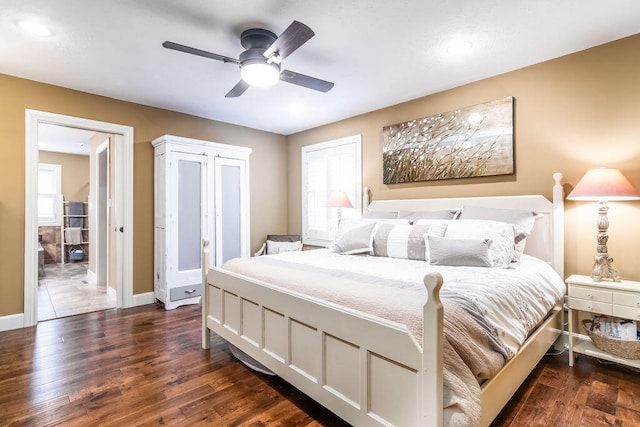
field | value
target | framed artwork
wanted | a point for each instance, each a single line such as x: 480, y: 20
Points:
x: 470, y: 142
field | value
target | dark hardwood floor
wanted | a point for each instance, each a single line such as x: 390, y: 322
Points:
x: 144, y: 366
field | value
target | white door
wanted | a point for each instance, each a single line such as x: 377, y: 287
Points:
x: 187, y: 219
x: 102, y: 197
x: 232, y: 210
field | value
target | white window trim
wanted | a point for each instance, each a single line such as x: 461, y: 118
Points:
x: 355, y: 140
x: 56, y: 196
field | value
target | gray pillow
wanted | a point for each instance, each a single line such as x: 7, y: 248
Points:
x: 356, y: 240
x: 459, y: 252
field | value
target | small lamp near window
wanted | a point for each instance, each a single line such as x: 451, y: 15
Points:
x: 603, y: 185
x: 341, y: 201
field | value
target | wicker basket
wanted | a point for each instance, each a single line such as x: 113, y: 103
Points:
x: 621, y: 348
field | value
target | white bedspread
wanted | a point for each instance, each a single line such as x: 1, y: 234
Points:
x: 514, y: 299
x: 488, y: 312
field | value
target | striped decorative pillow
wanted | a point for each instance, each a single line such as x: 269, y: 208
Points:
x: 405, y: 241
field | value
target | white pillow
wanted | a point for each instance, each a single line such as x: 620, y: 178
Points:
x: 459, y: 252
x: 274, y: 247
x: 418, y: 215
x: 501, y: 234
x: 379, y: 215
x: 403, y: 240
x: 355, y: 240
x: 524, y: 218
x: 349, y: 223
x: 519, y: 241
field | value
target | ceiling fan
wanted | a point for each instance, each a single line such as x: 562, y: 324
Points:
x: 260, y: 63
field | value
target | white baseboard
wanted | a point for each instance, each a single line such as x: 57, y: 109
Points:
x: 16, y: 321
x: 12, y: 321
x: 143, y: 299
x: 92, y: 279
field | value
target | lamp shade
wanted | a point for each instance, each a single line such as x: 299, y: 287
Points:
x: 339, y: 200
x: 603, y: 184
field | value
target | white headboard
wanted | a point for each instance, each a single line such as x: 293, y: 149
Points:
x: 547, y: 237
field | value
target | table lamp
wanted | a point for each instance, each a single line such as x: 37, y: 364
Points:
x: 341, y: 201
x: 603, y: 185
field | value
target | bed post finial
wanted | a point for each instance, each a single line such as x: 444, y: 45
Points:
x: 206, y: 334
x: 557, y: 177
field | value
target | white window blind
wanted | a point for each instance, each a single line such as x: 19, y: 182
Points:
x: 49, y: 194
x: 327, y: 168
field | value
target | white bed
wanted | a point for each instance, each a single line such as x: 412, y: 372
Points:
x: 367, y: 369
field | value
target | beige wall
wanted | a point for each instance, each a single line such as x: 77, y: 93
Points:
x: 75, y: 173
x: 571, y: 114
x: 268, y: 171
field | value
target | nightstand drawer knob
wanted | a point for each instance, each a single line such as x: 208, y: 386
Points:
x: 589, y: 295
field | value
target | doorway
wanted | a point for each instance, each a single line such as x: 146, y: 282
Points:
x: 72, y: 231
x: 119, y: 237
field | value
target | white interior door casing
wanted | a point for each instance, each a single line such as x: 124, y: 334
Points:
x: 123, y: 204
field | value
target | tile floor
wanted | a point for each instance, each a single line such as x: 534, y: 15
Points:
x: 64, y: 291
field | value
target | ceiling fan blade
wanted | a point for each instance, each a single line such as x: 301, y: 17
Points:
x: 292, y: 38
x: 238, y: 89
x: 194, y: 51
x: 306, y: 81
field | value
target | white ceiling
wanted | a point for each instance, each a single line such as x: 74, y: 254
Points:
x: 62, y: 139
x: 378, y: 52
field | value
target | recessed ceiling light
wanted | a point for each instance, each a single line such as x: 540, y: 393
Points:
x: 35, y: 28
x: 459, y: 47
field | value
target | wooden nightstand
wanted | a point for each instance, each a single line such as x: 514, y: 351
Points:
x: 619, y: 299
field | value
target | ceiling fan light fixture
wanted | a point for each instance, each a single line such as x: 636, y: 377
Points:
x: 260, y: 73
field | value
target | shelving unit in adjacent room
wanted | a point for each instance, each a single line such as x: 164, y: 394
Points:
x: 71, y: 219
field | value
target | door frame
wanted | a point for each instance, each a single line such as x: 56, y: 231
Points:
x: 123, y: 195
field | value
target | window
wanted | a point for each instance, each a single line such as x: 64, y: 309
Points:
x: 329, y: 167
x: 49, y: 194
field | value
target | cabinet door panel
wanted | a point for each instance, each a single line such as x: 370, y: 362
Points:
x: 189, y: 214
x: 231, y: 209
x: 186, y: 206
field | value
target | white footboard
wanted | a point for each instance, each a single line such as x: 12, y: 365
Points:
x: 367, y: 370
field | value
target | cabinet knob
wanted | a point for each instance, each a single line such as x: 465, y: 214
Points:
x: 190, y: 291
x: 589, y: 307
x: 589, y: 295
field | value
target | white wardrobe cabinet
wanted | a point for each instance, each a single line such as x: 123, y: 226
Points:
x: 201, y: 189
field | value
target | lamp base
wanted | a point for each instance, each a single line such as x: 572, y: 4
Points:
x: 603, y: 270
